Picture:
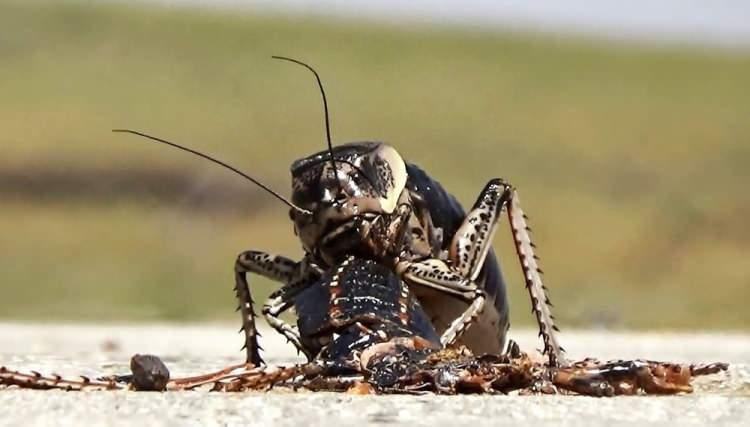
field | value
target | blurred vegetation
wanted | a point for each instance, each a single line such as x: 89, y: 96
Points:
x: 631, y: 162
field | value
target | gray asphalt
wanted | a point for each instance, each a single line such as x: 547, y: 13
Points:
x: 95, y: 349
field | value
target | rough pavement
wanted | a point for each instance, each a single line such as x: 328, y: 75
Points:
x: 96, y: 349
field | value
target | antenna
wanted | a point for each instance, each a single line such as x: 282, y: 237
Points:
x: 325, y: 109
x: 219, y: 162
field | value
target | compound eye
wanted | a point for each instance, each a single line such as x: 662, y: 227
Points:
x: 341, y: 196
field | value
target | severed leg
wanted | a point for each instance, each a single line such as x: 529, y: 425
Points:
x: 35, y: 380
x: 265, y: 377
x: 628, y: 377
x: 230, y: 372
x: 275, y: 267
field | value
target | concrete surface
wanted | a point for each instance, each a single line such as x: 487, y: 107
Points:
x: 103, y: 349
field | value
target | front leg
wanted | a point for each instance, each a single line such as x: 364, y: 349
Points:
x: 275, y: 267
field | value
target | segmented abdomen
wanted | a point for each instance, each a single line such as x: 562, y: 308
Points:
x: 361, y: 302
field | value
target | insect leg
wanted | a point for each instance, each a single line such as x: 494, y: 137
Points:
x: 624, y: 377
x: 473, y: 240
x: 279, y: 302
x: 467, y: 253
x: 532, y: 274
x: 438, y: 275
x: 274, y: 267
x: 35, y: 380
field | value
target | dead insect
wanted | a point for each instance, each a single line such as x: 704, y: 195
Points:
x: 363, y: 199
x: 358, y: 303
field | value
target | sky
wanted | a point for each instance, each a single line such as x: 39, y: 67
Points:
x: 711, y: 23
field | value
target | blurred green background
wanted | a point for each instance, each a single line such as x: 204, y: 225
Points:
x: 630, y: 161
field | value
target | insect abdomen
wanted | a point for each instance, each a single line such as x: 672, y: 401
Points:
x: 355, y: 297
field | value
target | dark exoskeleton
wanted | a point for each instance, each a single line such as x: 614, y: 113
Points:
x: 356, y: 306
x: 366, y: 303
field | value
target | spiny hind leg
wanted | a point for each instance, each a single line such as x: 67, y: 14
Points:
x: 473, y: 240
x: 540, y: 303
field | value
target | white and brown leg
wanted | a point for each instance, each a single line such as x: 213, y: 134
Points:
x: 532, y: 274
x: 35, y: 380
x: 473, y: 240
x: 276, y: 268
x: 466, y: 254
x: 437, y: 274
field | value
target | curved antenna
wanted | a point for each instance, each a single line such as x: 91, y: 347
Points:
x: 325, y: 108
x: 219, y: 162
